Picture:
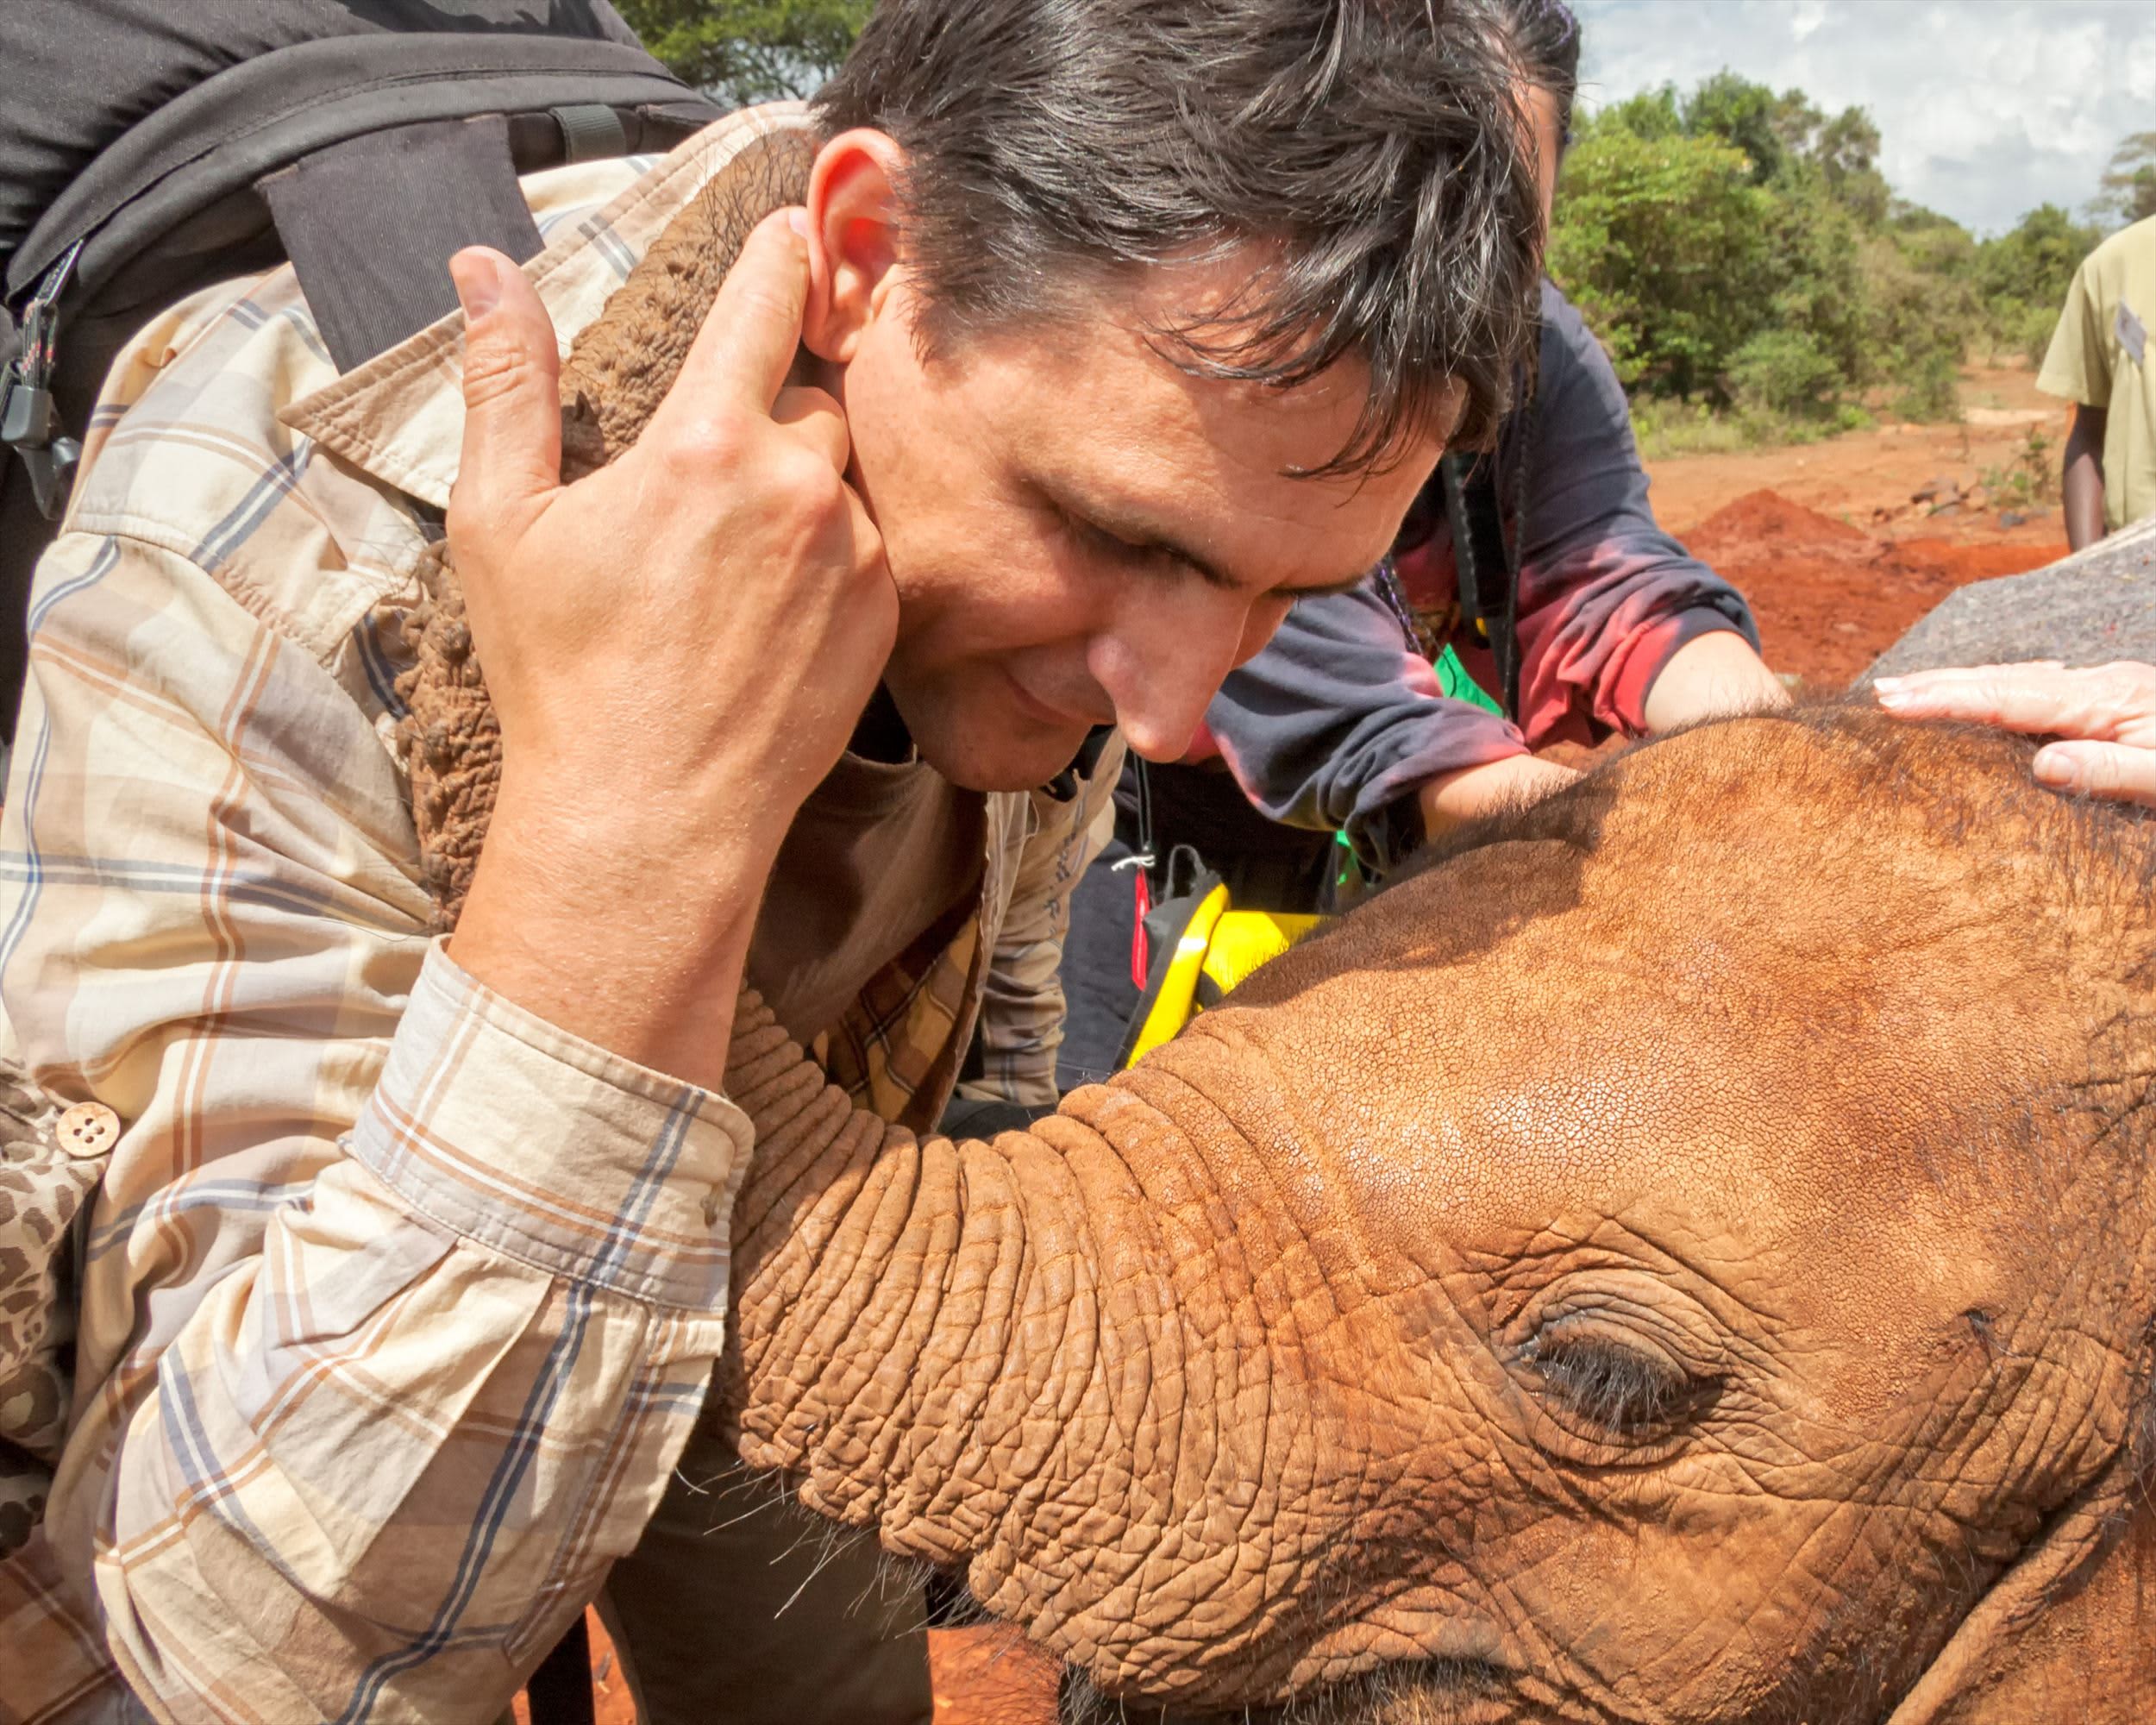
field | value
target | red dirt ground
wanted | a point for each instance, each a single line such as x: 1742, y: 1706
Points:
x: 1830, y: 598
x: 1837, y: 560
x: 1829, y: 542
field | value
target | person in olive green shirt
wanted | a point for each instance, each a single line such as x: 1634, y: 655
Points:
x: 2097, y: 361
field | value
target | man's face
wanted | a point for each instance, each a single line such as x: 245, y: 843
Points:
x: 1080, y: 532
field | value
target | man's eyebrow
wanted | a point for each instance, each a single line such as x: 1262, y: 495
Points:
x: 1150, y: 537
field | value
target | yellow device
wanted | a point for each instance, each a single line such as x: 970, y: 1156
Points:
x: 1216, y: 950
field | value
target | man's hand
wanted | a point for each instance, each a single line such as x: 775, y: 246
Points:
x: 2107, y: 717
x: 1712, y: 677
x: 1473, y: 792
x: 678, y: 647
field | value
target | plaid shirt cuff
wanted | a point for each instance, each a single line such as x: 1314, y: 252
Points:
x: 548, y: 1149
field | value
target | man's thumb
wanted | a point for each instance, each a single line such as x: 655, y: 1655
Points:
x: 512, y: 413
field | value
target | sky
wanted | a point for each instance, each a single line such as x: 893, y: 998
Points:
x: 1987, y: 107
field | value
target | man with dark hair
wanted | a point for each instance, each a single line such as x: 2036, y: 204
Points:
x: 1384, y: 716
x: 1080, y: 339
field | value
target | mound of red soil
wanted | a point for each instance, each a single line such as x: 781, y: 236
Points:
x: 1831, y: 598
x: 1767, y: 518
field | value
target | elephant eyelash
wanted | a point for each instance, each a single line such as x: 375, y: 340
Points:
x: 1626, y: 1389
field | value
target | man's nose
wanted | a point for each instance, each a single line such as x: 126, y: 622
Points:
x: 1162, y: 668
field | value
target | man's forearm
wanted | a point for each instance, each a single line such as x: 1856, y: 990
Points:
x: 636, y: 948
x: 2082, y: 480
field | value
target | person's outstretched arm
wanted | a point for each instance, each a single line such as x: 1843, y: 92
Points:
x: 1339, y: 722
x: 1620, y: 627
x: 2104, y: 717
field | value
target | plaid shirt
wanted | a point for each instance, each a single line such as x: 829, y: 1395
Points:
x: 398, y: 1303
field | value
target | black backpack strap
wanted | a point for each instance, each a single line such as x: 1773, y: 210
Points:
x: 1489, y: 580
x: 171, y: 204
x: 370, y: 224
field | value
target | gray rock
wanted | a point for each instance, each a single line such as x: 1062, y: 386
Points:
x: 2089, y: 609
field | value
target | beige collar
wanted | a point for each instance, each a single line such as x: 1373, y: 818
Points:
x: 399, y: 417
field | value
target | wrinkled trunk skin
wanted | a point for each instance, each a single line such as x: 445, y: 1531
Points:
x: 1036, y: 1357
x: 2079, y: 1646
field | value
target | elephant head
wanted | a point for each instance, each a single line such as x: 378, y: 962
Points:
x: 1684, y: 1255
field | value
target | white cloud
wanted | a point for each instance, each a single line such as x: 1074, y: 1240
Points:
x: 1986, y: 108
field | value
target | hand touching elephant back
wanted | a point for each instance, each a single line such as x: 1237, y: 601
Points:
x: 2104, y: 717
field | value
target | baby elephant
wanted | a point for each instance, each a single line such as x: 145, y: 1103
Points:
x: 1684, y: 1255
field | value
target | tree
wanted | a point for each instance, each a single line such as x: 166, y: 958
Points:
x: 1651, y: 114
x: 2022, y: 276
x: 1789, y: 140
x: 1747, y: 114
x: 2128, y: 192
x: 2034, y: 262
x: 1741, y: 245
x: 1846, y: 153
x: 744, y: 51
x: 1666, y: 244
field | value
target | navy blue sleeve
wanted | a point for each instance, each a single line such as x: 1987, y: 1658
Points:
x: 1339, y: 719
x: 1606, y: 596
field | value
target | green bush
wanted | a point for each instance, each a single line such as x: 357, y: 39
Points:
x: 1664, y: 427
x: 1740, y: 249
x: 1930, y: 385
x: 2034, y: 264
x: 1785, y: 371
x: 2024, y: 331
x: 1919, y: 317
x: 1666, y: 244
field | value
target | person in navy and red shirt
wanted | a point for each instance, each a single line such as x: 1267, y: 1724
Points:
x: 1340, y: 723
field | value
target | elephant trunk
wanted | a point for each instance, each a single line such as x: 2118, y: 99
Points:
x: 1003, y: 1355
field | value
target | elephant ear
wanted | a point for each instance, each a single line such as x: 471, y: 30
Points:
x: 2060, y: 1635
x: 617, y: 372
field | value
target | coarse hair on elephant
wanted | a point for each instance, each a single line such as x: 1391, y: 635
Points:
x: 1683, y: 1255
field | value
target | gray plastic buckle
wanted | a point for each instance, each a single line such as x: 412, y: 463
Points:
x: 29, y: 419
x: 29, y: 425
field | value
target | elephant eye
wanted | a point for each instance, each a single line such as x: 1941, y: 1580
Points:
x: 1624, y: 1387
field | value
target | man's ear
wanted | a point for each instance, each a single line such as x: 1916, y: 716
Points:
x: 853, y: 239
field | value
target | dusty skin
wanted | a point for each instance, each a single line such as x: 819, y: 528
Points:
x: 1683, y: 1256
